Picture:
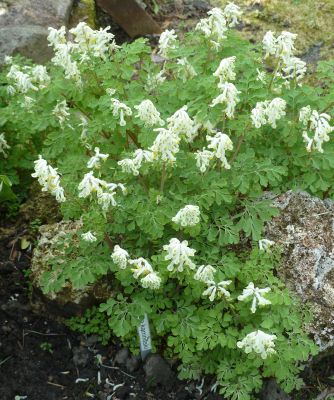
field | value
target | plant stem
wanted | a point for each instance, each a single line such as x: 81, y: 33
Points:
x: 274, y: 74
x: 241, y: 139
x: 163, y: 178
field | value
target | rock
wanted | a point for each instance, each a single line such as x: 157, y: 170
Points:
x: 91, y: 341
x: 121, y: 356
x: 132, y: 363
x: 271, y: 391
x: 24, y: 23
x: 76, y: 300
x: 304, y: 229
x: 81, y: 356
x: 158, y: 371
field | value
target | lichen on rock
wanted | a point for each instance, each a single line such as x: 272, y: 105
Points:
x: 304, y: 229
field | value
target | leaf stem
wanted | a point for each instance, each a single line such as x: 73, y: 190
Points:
x: 163, y: 177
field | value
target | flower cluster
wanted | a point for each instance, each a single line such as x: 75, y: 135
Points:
x: 167, y: 42
x: 132, y: 165
x: 259, y: 343
x: 105, y: 192
x: 205, y: 273
x: 187, y: 216
x: 189, y: 71
x: 266, y: 245
x: 120, y: 257
x: 89, y: 237
x: 215, y: 26
x: 165, y: 145
x: 61, y: 112
x: 282, y: 48
x: 217, y: 290
x: 148, y: 113
x: 49, y: 179
x: 179, y: 255
x: 219, y: 144
x: 95, y: 161
x: 120, y: 110
x: 319, y: 124
x: 268, y: 112
x: 181, y: 125
x: 33, y: 78
x: 257, y: 295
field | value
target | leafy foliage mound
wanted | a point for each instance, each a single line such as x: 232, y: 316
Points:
x: 165, y: 159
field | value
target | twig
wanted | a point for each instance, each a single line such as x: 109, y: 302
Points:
x: 4, y: 360
x: 56, y: 384
x: 324, y: 395
x: 107, y: 366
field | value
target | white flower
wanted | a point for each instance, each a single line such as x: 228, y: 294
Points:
x: 319, y: 124
x: 285, y: 45
x: 225, y: 71
x: 167, y: 42
x: 61, y: 111
x: 229, y: 96
x: 269, y: 44
x: 205, y: 273
x: 120, y: 257
x: 89, y: 237
x: 179, y: 254
x: 214, y: 27
x: 165, y: 145
x: 148, y: 113
x: 203, y: 159
x: 90, y: 184
x: 181, y: 124
x: 219, y: 144
x: 49, y: 179
x: 63, y: 59
x: 232, y: 12
x: 56, y: 36
x: 151, y: 281
x: 259, y: 343
x: 21, y: 80
x: 188, y: 68
x: 275, y: 111
x: 120, y: 110
x: 265, y: 245
x: 216, y: 290
x: 129, y: 166
x: 28, y: 102
x: 141, y: 267
x: 261, y: 76
x: 40, y: 76
x: 3, y: 145
x: 95, y: 161
x: 295, y: 68
x: 155, y: 80
x: 187, y: 216
x: 257, y: 295
x: 268, y: 112
x: 105, y: 199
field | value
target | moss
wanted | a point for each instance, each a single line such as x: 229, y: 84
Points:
x: 84, y: 10
x: 311, y: 20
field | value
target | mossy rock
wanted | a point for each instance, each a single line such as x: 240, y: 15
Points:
x: 84, y: 10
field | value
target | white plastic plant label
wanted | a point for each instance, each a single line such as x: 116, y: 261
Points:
x: 145, y: 338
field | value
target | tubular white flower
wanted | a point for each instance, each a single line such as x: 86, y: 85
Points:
x: 90, y: 184
x: 165, y: 145
x: 203, y: 159
x: 258, y: 342
x: 285, y: 45
x: 265, y: 245
x: 40, y: 76
x: 153, y: 81
x: 129, y: 166
x: 181, y: 124
x: 151, y: 281
x: 167, y: 42
x: 187, y: 216
x: 219, y: 144
x: 61, y: 111
x: 106, y: 199
x: 63, y: 59
x: 179, y: 254
x: 56, y: 36
x: 232, y: 12
x: 269, y: 44
x: 319, y: 124
x: 214, y: 27
x: 3, y: 145
x: 120, y: 110
x: 188, y: 68
x: 257, y: 295
x: 48, y: 178
x: 295, y: 68
x: 217, y: 290
x: 95, y: 161
x: 120, y: 257
x: 148, y: 113
x: 141, y: 267
x: 261, y: 76
x: 21, y: 80
x: 28, y: 103
x: 229, y: 96
x: 205, y: 273
x: 225, y: 71
x: 89, y: 237
x: 268, y: 112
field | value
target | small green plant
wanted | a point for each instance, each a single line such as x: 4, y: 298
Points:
x: 165, y: 162
x: 47, y: 347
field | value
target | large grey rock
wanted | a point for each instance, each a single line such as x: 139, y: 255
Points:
x: 24, y: 23
x: 305, y: 231
x: 158, y: 371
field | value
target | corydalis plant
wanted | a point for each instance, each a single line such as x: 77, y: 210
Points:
x: 167, y: 175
